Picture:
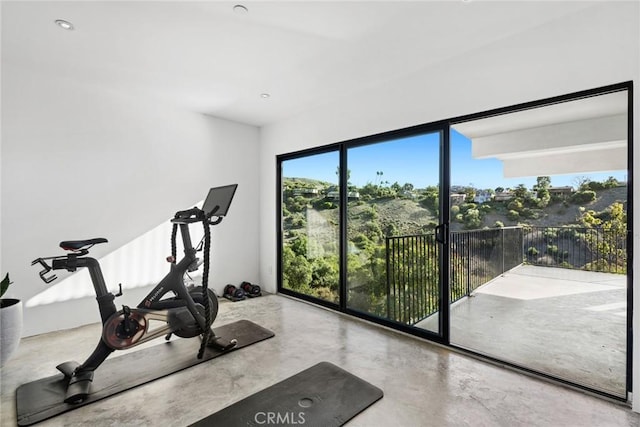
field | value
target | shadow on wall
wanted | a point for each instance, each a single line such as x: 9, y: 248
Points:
x: 139, y: 263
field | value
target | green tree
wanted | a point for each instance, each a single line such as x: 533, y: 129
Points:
x: 324, y: 273
x: 584, y: 196
x: 608, y: 239
x: 407, y: 187
x: 521, y: 192
x: 472, y: 219
x: 543, y: 183
x: 299, y: 245
x: 431, y: 199
x: 515, y: 204
x: 611, y: 182
x: 296, y: 270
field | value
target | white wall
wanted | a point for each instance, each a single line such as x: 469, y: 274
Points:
x: 83, y: 161
x: 597, y: 47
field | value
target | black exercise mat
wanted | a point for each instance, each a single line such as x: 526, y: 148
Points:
x: 323, y: 396
x: 42, y: 399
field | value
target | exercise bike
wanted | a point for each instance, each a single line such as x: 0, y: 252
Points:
x: 187, y: 313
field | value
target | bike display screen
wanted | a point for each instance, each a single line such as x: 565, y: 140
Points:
x: 219, y: 197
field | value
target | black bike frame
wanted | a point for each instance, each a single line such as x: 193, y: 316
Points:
x: 151, y: 304
x: 174, y: 281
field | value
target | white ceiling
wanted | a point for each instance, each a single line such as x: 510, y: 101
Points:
x: 204, y: 57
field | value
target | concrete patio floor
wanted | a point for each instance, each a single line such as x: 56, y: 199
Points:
x: 566, y: 323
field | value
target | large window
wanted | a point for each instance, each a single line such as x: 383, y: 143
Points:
x: 310, y: 226
x: 357, y: 227
x: 503, y: 233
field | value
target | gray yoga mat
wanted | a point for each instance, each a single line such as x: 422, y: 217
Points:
x: 321, y: 396
x: 38, y: 400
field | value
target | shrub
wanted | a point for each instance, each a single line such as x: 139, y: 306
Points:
x: 465, y: 207
x: 371, y: 213
x: 595, y: 186
x: 515, y: 205
x: 485, y: 207
x: 472, y: 219
x: 549, y: 234
x: 361, y: 241
x: 513, y: 215
x: 298, y: 222
x: 498, y: 224
x: 584, y: 196
x: 532, y: 251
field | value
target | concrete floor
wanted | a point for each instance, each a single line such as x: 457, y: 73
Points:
x: 567, y: 323
x: 424, y: 384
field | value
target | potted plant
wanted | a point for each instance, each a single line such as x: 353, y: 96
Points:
x: 10, y: 322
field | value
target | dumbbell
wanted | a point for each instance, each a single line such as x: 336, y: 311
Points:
x: 233, y: 292
x: 251, y: 290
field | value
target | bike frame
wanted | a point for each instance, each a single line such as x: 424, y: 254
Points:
x: 130, y: 326
x: 151, y: 306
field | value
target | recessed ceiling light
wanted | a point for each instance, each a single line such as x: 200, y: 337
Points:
x: 265, y: 95
x: 240, y: 9
x: 66, y: 25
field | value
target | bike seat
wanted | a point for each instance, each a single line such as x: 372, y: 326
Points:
x: 76, y: 245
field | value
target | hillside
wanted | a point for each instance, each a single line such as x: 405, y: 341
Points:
x: 311, y: 231
x: 560, y: 214
x: 393, y: 216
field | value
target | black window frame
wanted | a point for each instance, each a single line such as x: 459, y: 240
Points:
x: 444, y: 126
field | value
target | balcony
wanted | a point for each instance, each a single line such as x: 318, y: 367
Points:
x: 552, y: 299
x: 479, y: 256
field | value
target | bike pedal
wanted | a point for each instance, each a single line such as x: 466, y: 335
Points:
x: 68, y: 368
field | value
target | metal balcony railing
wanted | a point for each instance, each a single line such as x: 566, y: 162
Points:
x: 479, y: 256
x: 591, y: 249
x: 412, y: 277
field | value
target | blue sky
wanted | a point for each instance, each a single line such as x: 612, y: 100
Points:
x: 415, y: 160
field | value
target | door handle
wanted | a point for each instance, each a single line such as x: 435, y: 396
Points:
x: 441, y: 233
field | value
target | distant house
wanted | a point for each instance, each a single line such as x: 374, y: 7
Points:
x: 305, y: 191
x: 458, y: 198
x: 482, y: 196
x: 335, y: 195
x: 503, y: 196
x: 561, y: 192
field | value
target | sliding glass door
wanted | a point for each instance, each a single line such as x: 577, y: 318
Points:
x: 393, y: 209
x: 539, y: 239
x: 503, y: 233
x: 358, y: 228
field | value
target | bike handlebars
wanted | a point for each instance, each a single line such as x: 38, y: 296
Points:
x: 196, y: 214
x: 189, y: 213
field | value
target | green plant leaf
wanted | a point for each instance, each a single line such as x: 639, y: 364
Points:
x: 4, y: 285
